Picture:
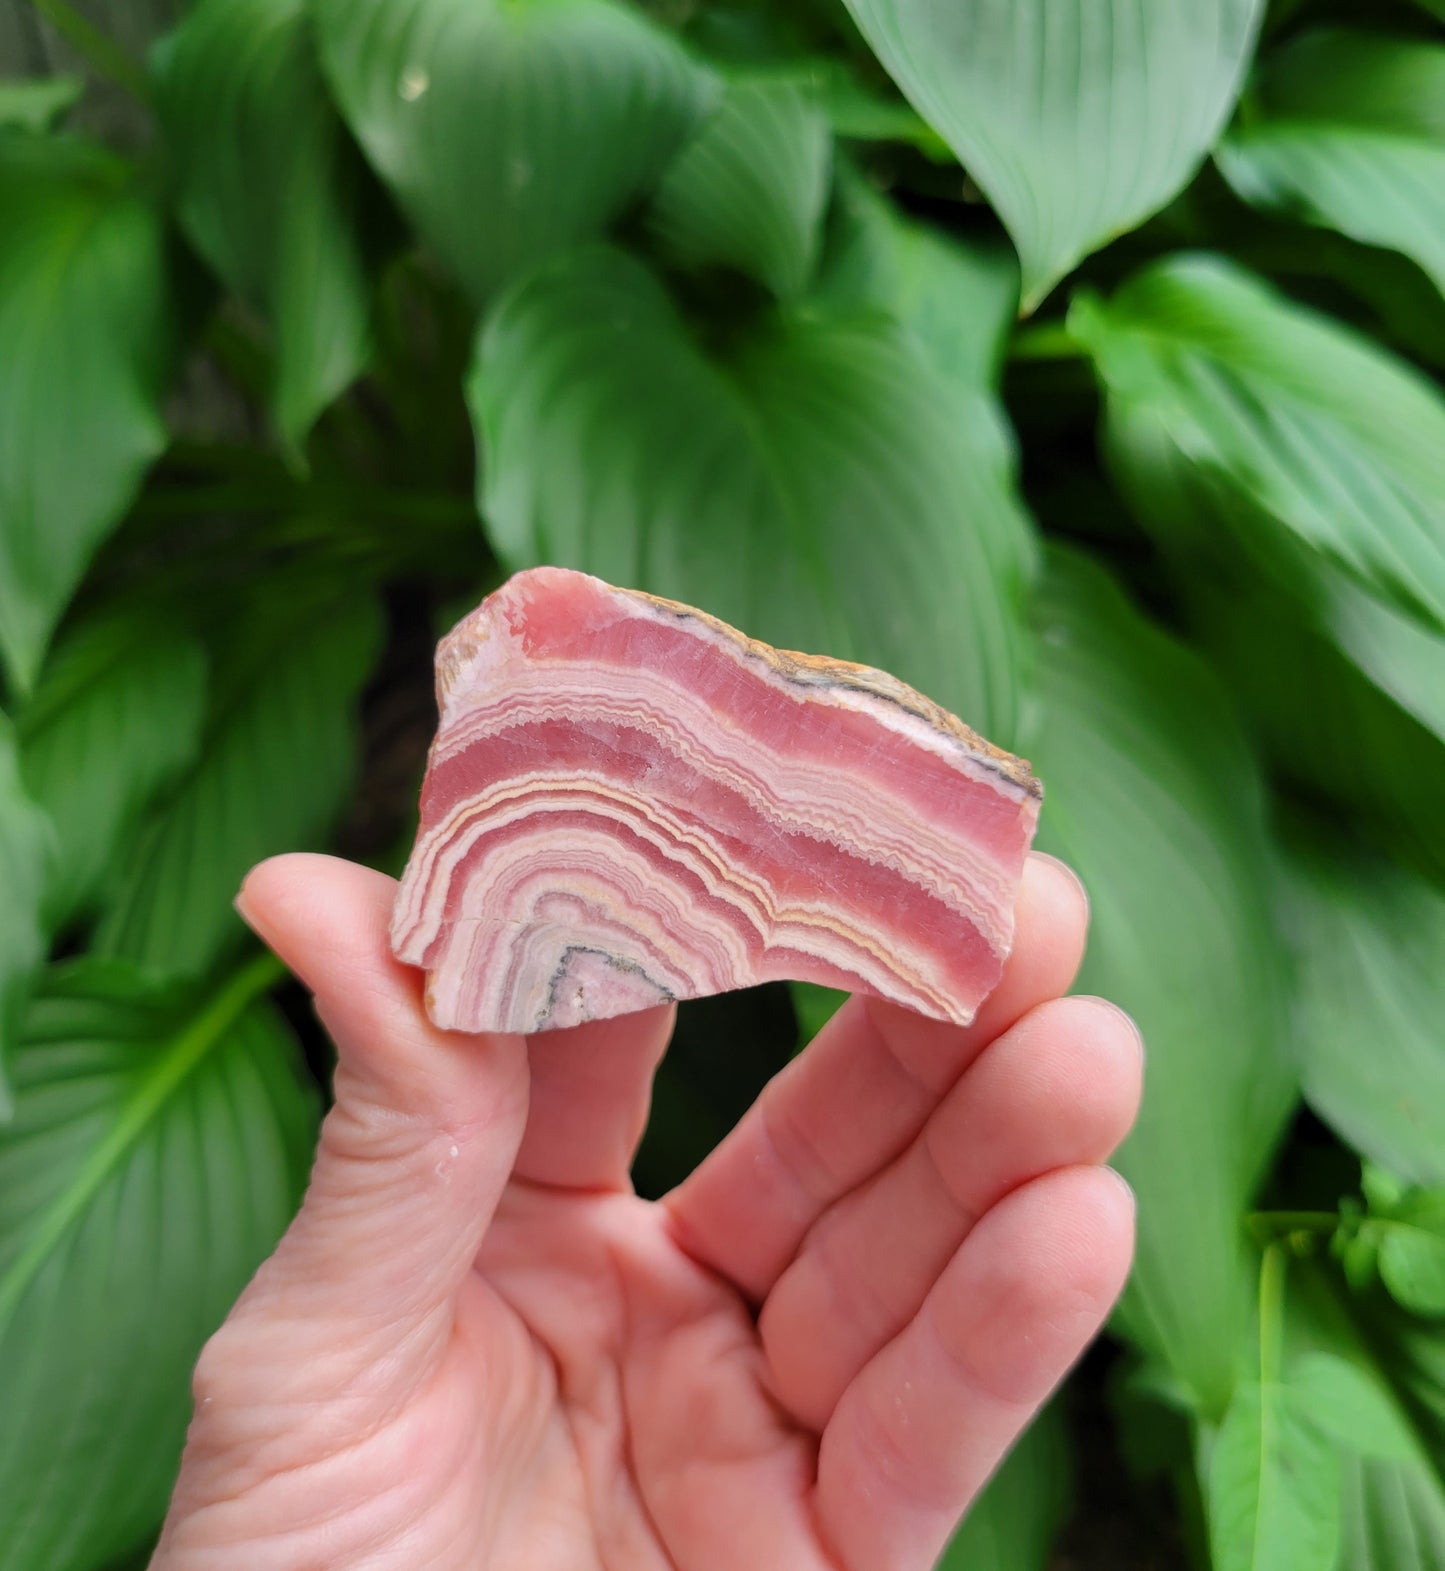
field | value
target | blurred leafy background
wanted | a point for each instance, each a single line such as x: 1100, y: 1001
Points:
x: 1074, y: 359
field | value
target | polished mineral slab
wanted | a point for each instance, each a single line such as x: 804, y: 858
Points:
x: 628, y: 801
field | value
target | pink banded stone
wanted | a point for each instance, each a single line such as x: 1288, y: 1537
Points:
x: 628, y: 801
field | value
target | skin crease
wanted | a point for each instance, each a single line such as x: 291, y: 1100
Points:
x: 476, y: 1347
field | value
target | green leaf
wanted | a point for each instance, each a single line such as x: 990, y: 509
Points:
x: 155, y: 1156
x: 1411, y: 1244
x: 1272, y: 643
x: 36, y: 104
x: 1352, y: 1405
x: 1353, y: 139
x: 749, y: 189
x: 1274, y: 1486
x: 809, y: 484
x: 268, y: 187
x: 1077, y: 120
x: 1393, y: 1498
x: 275, y: 767
x: 1334, y: 449
x: 85, y: 334
x: 1013, y: 1523
x: 115, y: 717
x: 1369, y: 939
x: 1151, y: 793
x: 510, y: 129
x: 1394, y: 1517
x: 814, y: 1006
x: 26, y: 842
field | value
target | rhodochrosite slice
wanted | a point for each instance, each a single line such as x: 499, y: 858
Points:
x: 628, y: 801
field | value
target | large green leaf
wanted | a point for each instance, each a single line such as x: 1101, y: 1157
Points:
x: 1392, y: 1488
x: 1274, y: 1485
x: 116, y: 715
x: 750, y: 187
x: 1370, y: 1000
x: 1013, y: 1523
x: 510, y: 129
x: 85, y: 333
x: 156, y: 1154
x: 1332, y: 448
x: 26, y: 842
x: 1078, y: 118
x: 1353, y: 138
x: 1151, y: 793
x: 809, y: 485
x: 268, y: 183
x: 274, y: 769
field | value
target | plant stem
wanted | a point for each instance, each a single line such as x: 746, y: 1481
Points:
x: 1276, y: 1222
x: 1046, y: 341
x: 105, y: 57
x: 1271, y: 1313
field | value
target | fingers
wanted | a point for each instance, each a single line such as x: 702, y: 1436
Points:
x: 420, y: 1143
x: 591, y: 1086
x: 916, y: 1435
x: 856, y: 1097
x: 1059, y: 1089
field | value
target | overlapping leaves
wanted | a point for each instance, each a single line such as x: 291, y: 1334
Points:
x: 1324, y: 441
x: 268, y: 188
x: 1078, y: 119
x: 1351, y: 136
x: 806, y: 485
x: 508, y: 131
x: 85, y: 336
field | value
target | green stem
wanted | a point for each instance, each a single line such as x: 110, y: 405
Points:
x: 173, y: 1063
x: 1269, y: 1224
x: 1046, y: 341
x: 103, y: 54
x: 1271, y: 1313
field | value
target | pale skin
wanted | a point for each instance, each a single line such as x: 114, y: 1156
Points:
x: 476, y: 1347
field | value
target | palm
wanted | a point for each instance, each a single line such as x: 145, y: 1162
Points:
x: 477, y: 1347
x: 640, y: 1412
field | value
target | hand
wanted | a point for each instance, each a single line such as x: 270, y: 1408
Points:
x: 476, y: 1347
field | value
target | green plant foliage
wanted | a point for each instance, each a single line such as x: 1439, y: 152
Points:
x: 157, y: 1150
x: 1353, y: 138
x: 1078, y: 120
x: 1325, y: 439
x: 1274, y: 1500
x: 1369, y: 938
x: 804, y: 486
x: 268, y: 189
x: 116, y: 716
x: 36, y: 105
x: 26, y: 844
x: 508, y: 131
x: 275, y: 764
x: 748, y: 190
x: 85, y: 327
x: 1154, y: 798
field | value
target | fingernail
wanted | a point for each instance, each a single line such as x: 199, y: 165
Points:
x: 1068, y: 872
x: 243, y: 910
x: 1136, y: 1035
x: 1125, y: 1185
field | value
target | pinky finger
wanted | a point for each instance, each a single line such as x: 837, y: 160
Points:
x: 916, y: 1435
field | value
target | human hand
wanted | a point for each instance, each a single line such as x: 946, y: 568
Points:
x: 475, y: 1346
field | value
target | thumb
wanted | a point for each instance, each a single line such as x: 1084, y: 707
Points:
x: 426, y: 1125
